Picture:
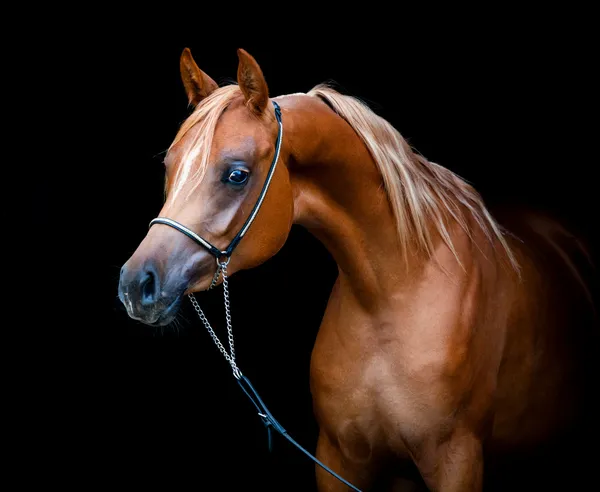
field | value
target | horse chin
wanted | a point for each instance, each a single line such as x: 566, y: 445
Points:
x: 203, y: 285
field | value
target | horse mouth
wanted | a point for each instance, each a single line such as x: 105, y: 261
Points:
x: 167, y: 315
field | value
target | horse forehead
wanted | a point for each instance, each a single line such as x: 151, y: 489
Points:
x: 238, y: 130
x: 229, y: 142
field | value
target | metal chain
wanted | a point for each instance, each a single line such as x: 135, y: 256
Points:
x: 229, y: 357
x: 216, y: 277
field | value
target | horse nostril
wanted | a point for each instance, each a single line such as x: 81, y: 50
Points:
x: 148, y: 288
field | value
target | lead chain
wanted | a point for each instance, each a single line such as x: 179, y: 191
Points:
x: 216, y: 276
x: 229, y: 357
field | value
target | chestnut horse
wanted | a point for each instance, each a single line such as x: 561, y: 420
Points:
x: 446, y: 337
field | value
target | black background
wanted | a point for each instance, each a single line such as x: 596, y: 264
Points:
x: 503, y: 99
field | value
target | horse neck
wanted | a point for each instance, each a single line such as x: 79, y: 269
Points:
x: 340, y: 198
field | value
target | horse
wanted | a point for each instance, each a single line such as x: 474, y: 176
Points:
x: 452, y: 337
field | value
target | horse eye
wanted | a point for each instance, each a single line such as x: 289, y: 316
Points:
x: 238, y: 176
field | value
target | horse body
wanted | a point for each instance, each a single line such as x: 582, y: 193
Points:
x: 424, y: 363
x: 436, y: 348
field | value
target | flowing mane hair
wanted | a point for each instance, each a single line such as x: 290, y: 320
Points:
x: 419, y: 191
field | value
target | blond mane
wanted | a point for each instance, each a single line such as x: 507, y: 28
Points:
x: 420, y: 192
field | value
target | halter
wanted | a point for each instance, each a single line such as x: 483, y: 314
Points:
x: 222, y: 258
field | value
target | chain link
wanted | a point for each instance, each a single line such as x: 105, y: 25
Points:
x: 229, y: 357
x: 216, y: 277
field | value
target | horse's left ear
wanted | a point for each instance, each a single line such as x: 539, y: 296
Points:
x: 252, y: 82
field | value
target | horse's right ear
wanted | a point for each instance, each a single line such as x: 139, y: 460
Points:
x: 197, y: 84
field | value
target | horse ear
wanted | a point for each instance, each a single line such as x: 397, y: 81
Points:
x: 197, y: 84
x: 252, y: 82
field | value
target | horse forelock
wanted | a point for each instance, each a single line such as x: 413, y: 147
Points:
x: 194, y: 161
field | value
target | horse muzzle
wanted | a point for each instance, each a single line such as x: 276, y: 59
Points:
x: 148, y: 296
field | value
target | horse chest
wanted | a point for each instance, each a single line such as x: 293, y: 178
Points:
x: 367, y: 409
x: 373, y: 384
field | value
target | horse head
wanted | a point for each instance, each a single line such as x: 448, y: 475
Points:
x: 217, y: 170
